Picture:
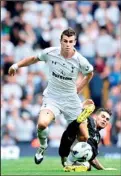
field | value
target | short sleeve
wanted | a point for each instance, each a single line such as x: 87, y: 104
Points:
x: 85, y: 66
x: 43, y: 55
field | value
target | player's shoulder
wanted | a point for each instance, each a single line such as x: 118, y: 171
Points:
x: 91, y: 121
x: 50, y: 50
x: 80, y: 56
x: 85, y: 66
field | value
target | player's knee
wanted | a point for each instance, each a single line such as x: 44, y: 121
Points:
x: 83, y: 138
x: 63, y: 152
x: 42, y: 124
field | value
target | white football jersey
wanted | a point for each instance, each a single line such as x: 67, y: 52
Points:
x: 63, y: 72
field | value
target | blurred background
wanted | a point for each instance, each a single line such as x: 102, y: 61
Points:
x: 26, y: 29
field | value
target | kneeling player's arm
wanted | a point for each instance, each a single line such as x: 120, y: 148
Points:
x: 96, y: 164
x: 84, y: 82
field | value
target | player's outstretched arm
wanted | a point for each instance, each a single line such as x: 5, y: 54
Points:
x: 23, y: 63
x: 96, y: 164
x: 84, y: 82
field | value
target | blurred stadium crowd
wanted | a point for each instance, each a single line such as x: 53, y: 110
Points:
x: 27, y: 28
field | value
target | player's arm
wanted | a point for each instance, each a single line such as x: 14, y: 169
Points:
x: 23, y: 63
x: 87, y: 70
x: 84, y: 81
x: 96, y: 164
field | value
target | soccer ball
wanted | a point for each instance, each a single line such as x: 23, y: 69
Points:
x: 82, y: 152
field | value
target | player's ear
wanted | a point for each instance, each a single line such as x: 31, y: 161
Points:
x: 75, y: 42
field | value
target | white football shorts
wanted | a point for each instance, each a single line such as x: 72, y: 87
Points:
x: 70, y: 108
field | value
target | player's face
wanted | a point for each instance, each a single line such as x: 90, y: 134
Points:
x: 67, y: 43
x: 102, y: 119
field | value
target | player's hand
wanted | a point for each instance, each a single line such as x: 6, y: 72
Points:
x: 12, y: 70
x: 110, y: 169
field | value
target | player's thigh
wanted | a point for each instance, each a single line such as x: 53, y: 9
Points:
x: 45, y: 117
x: 83, y: 131
x: 71, y: 114
x: 48, y: 112
x: 72, y: 110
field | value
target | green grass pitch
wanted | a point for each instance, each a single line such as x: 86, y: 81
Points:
x: 52, y: 166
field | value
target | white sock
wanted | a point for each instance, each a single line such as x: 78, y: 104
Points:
x: 42, y: 135
x: 70, y: 159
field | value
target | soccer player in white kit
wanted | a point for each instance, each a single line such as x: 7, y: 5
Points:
x: 61, y: 94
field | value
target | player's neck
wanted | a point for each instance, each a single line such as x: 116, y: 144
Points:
x: 67, y: 55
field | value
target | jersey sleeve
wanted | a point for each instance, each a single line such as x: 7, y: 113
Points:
x: 43, y: 55
x: 84, y: 66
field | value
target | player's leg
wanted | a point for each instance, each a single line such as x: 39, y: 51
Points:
x: 87, y: 110
x: 64, y: 147
x: 67, y: 140
x: 80, y: 124
x: 80, y: 152
x: 69, y: 136
x: 45, y: 118
x: 72, y: 112
x: 83, y: 133
x: 49, y: 111
x: 79, y: 116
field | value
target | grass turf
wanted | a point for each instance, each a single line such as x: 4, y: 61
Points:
x: 52, y: 166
